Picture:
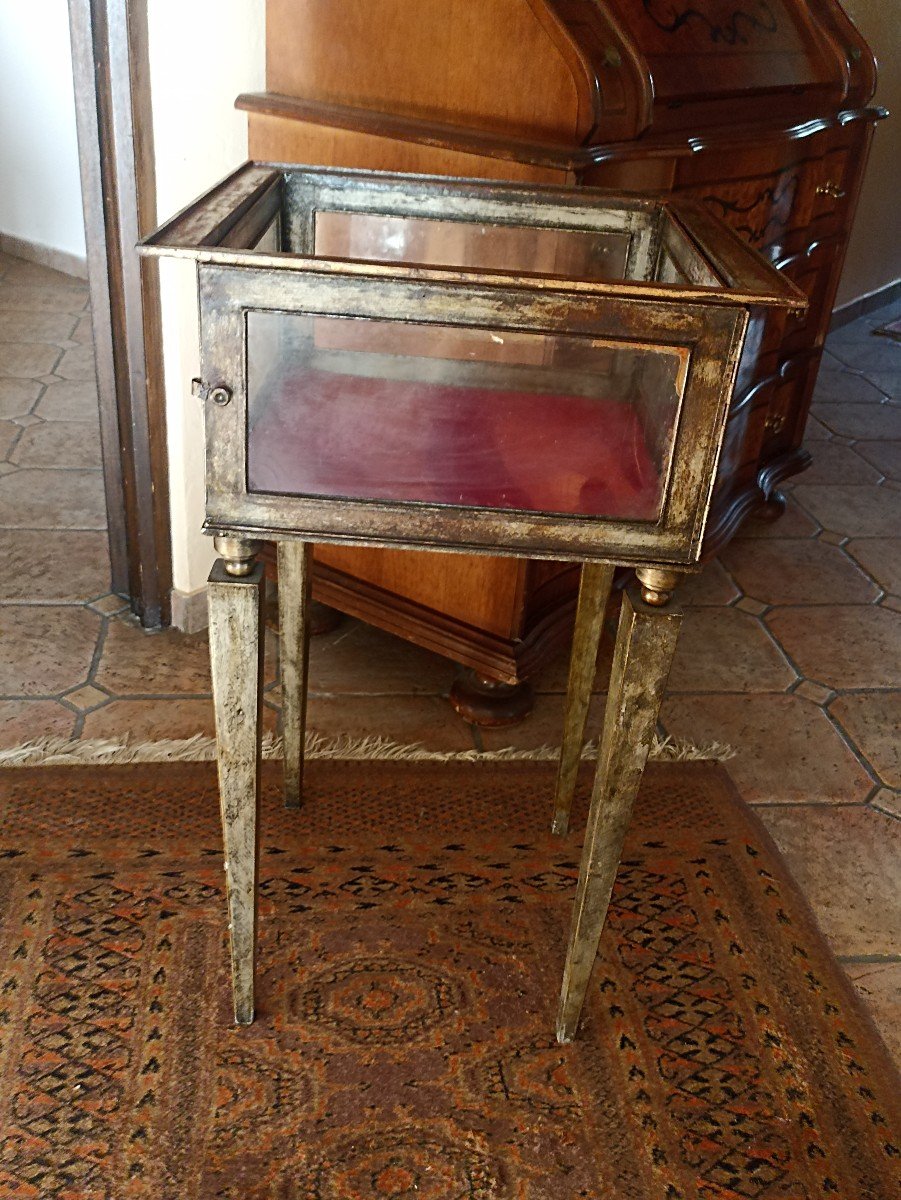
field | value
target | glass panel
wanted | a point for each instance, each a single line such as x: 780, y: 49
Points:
x: 375, y: 237
x: 440, y: 414
x: 680, y: 261
x: 270, y: 241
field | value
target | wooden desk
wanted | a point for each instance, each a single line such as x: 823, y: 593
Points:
x: 757, y: 109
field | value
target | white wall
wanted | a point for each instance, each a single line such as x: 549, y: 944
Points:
x: 40, y: 190
x: 874, y: 252
x: 198, y: 65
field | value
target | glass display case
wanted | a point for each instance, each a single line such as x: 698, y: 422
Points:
x: 435, y: 362
x: 457, y: 365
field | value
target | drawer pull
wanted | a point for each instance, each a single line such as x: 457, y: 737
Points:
x: 831, y: 189
x: 775, y: 423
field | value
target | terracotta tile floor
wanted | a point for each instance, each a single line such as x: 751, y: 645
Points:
x: 791, y: 649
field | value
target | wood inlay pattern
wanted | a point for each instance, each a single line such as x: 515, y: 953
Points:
x: 734, y: 29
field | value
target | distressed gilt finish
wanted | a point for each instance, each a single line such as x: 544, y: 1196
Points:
x: 236, y: 663
x: 645, y: 644
x: 712, y: 337
x: 690, y: 289
x: 594, y: 592
x: 657, y: 584
x: 295, y: 578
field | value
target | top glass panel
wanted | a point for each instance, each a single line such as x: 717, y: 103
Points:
x: 429, y: 241
x: 649, y: 248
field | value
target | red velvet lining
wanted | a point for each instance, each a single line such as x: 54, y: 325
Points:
x: 327, y: 434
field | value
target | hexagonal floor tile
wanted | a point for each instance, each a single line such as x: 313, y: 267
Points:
x: 426, y: 720
x: 873, y: 722
x: 42, y: 298
x: 881, y: 558
x: 787, y: 749
x: 726, y: 650
x: 135, y: 662
x: 37, y: 327
x: 77, y: 364
x: 34, y: 498
x: 51, y: 564
x: 794, y: 523
x: 70, y: 400
x: 797, y: 571
x: 879, y: 984
x: 151, y: 720
x: 17, y: 396
x: 853, y: 877
x: 884, y: 456
x: 29, y: 720
x: 853, y: 510
x: 842, y: 646
x: 59, y: 444
x: 46, y: 649
x: 843, y: 387
x: 834, y: 463
x: 861, y: 421
x: 27, y: 360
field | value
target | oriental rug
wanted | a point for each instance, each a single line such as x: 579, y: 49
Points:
x: 412, y: 934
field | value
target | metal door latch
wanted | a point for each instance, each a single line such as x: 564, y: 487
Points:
x: 219, y: 395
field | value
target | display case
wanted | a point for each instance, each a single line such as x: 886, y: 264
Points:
x: 415, y: 362
x: 412, y: 361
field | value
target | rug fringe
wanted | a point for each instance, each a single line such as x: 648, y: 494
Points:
x: 59, y: 751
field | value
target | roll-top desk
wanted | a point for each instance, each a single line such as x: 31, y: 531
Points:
x: 757, y: 107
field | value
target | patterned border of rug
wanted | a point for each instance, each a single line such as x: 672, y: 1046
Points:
x: 414, y: 918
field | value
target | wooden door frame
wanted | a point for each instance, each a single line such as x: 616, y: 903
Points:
x: 110, y: 66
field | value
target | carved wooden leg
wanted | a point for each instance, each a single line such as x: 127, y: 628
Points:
x: 295, y: 575
x: 645, y: 642
x: 594, y: 592
x: 236, y: 594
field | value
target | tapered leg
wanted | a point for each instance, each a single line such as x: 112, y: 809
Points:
x: 295, y: 574
x: 236, y: 660
x: 594, y: 592
x: 645, y: 643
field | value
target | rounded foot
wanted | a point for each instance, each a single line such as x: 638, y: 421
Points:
x: 770, y: 508
x: 323, y: 619
x: 483, y: 701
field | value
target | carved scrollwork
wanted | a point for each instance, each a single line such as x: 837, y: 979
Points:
x: 732, y: 29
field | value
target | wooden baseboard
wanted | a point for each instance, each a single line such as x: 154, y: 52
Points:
x: 865, y: 304
x: 45, y: 256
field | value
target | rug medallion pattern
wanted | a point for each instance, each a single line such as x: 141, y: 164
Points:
x: 411, y: 944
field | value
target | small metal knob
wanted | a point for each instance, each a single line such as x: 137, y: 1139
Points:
x: 831, y: 189
x: 220, y: 396
x: 775, y: 423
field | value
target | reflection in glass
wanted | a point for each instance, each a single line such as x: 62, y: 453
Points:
x: 383, y: 410
x: 377, y: 237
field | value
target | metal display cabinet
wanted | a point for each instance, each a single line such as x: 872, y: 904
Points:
x: 417, y: 362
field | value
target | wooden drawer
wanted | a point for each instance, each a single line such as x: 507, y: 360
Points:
x: 764, y: 192
x: 833, y: 184
x: 813, y: 272
x: 785, y: 394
